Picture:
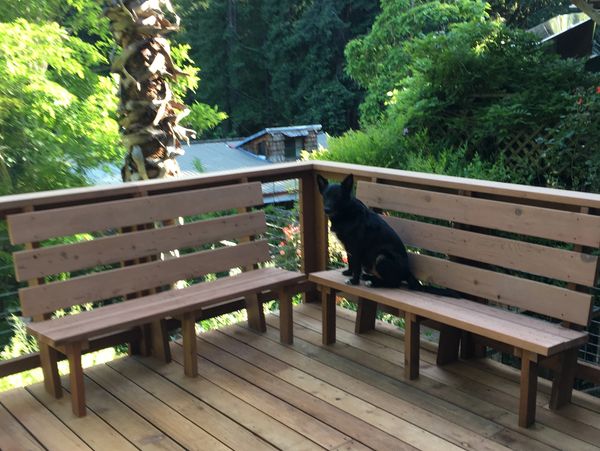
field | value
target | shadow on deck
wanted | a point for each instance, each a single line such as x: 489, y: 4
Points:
x: 253, y: 393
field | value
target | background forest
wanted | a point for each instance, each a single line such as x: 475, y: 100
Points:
x: 437, y: 86
x: 433, y: 86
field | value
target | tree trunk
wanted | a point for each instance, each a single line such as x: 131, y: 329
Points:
x: 149, y: 116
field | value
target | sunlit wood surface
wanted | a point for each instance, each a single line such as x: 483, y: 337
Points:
x: 253, y: 393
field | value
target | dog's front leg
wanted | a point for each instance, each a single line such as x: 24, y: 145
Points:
x: 348, y: 271
x: 354, y: 268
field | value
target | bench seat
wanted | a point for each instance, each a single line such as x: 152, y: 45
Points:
x: 522, y: 332
x: 90, y: 324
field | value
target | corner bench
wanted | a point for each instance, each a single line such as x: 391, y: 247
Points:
x: 482, y: 249
x: 125, y: 264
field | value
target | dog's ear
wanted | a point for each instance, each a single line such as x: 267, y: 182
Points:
x: 322, y: 182
x: 348, y: 183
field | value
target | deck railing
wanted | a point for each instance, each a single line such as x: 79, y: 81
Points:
x: 313, y: 224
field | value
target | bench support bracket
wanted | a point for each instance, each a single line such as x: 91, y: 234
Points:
x: 160, y: 341
x: 529, y: 374
x: 365, y: 316
x: 286, y: 318
x: 190, y: 350
x: 73, y: 351
x: 564, y: 377
x: 412, y: 344
x: 328, y: 311
x: 255, y: 312
x: 49, y: 363
x: 448, y: 345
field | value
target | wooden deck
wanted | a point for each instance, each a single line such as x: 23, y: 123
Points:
x: 253, y: 393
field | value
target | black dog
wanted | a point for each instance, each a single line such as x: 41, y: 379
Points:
x: 375, y: 251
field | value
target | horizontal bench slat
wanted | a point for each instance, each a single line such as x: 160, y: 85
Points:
x: 570, y: 227
x: 47, y: 298
x: 71, y: 257
x: 143, y: 310
x: 58, y: 222
x: 532, y: 258
x: 546, y: 339
x: 557, y: 302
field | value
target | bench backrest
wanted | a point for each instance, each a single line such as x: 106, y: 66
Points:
x: 511, y: 253
x: 122, y: 259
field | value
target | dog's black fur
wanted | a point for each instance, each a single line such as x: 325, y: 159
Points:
x: 375, y: 251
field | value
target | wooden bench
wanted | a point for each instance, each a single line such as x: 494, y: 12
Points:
x: 123, y: 262
x: 483, y: 249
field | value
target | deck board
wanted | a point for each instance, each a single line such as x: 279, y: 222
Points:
x: 253, y: 393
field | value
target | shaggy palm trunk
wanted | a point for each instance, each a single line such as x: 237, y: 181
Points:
x: 149, y: 116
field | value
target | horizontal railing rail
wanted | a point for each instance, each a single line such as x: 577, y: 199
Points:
x: 313, y: 223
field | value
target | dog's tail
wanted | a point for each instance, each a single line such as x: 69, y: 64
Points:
x: 415, y: 284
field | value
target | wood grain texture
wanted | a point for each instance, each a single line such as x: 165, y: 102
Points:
x: 546, y: 339
x: 143, y: 310
x: 102, y: 251
x: 116, y: 282
x: 534, y: 296
x: 516, y: 191
x: 540, y: 222
x: 555, y: 263
x: 41, y: 225
x: 13, y: 436
x: 42, y: 424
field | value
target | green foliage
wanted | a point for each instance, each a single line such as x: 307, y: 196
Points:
x: 56, y: 113
x: 572, y: 155
x: 461, y: 93
x: 380, y: 60
x: 483, y: 80
x: 272, y: 62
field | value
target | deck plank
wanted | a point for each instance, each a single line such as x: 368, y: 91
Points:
x: 40, y: 422
x: 162, y: 416
x: 259, y: 423
x: 91, y: 429
x: 198, y: 412
x: 252, y: 392
x: 337, y: 418
x: 484, y: 401
x: 13, y: 436
x: 370, y: 413
x: 404, y: 411
x: 426, y: 393
x: 141, y: 433
x: 490, y: 386
x: 318, y: 431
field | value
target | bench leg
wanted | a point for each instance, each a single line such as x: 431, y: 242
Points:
x: 529, y: 373
x: 190, y: 350
x: 448, y: 345
x: 564, y: 378
x: 328, y: 312
x: 49, y: 363
x: 160, y: 341
x: 286, y: 318
x: 76, y: 379
x: 365, y: 316
x: 143, y: 345
x: 256, y: 314
x: 469, y: 348
x: 411, y: 346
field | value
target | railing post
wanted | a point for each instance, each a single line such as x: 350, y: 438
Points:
x: 313, y: 227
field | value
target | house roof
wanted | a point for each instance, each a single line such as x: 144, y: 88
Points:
x: 292, y: 132
x: 216, y: 156
x: 559, y: 25
x: 213, y: 156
